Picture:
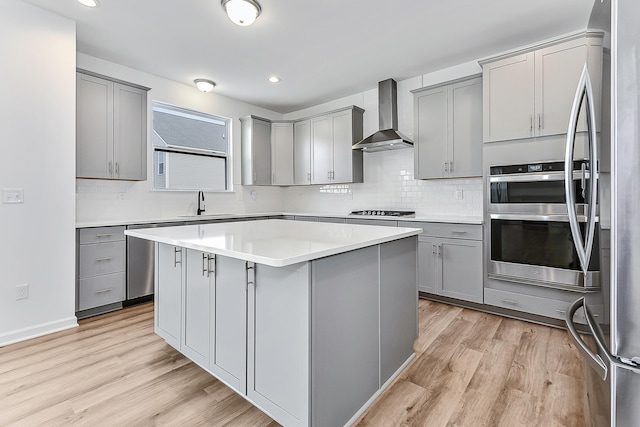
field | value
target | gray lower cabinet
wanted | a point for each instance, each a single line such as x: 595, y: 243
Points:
x: 101, y: 268
x: 111, y: 129
x: 168, y: 293
x: 450, y: 260
x: 229, y: 322
x: 199, y: 287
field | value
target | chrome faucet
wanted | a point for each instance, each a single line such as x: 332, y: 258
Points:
x: 200, y: 199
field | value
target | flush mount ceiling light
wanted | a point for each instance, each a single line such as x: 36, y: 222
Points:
x: 204, y: 85
x: 274, y: 79
x: 242, y: 12
x: 89, y: 3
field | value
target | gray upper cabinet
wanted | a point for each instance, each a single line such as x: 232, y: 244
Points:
x: 302, y: 152
x: 530, y: 93
x: 111, y: 129
x: 448, y: 130
x: 332, y: 136
x: 282, y: 162
x: 315, y: 150
x: 256, y: 151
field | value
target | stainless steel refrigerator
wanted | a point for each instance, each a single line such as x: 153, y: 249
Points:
x: 612, y: 346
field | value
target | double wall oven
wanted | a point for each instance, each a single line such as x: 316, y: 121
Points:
x: 535, y: 211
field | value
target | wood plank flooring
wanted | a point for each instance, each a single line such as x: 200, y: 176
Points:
x: 471, y: 369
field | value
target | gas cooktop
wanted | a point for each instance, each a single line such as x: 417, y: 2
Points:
x: 384, y: 213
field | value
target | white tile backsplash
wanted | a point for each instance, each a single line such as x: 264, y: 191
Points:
x: 389, y: 184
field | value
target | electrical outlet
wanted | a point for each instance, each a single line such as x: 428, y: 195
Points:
x: 13, y: 195
x: 459, y: 195
x: 22, y: 292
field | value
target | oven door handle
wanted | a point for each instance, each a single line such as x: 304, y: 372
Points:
x: 584, y: 246
x: 536, y: 217
x: 537, y: 177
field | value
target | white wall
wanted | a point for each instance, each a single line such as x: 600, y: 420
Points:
x: 103, y: 200
x: 388, y: 175
x: 37, y: 245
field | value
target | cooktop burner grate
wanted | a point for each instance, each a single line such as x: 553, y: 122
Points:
x: 383, y: 213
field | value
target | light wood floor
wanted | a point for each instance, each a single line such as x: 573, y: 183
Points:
x: 472, y: 369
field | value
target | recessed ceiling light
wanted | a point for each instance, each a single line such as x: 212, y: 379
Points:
x: 89, y: 3
x: 204, y: 85
x: 274, y: 79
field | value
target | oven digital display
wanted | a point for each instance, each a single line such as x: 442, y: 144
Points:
x: 534, y: 168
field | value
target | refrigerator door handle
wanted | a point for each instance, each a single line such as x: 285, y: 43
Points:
x: 584, y: 246
x: 594, y: 360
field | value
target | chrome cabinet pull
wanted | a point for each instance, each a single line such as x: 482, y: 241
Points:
x: 250, y: 274
x: 175, y: 256
x: 531, y: 122
x: 103, y: 235
x: 104, y: 291
x: 104, y: 259
x: 309, y: 176
x: 209, y: 269
x: 434, y: 249
x: 204, y: 269
x: 446, y: 166
x: 458, y: 232
x: 110, y: 168
x: 539, y: 121
x: 440, y: 250
x: 509, y: 301
x: 117, y: 168
x: 451, y: 166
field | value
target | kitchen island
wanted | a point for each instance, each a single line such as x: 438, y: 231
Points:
x: 308, y: 321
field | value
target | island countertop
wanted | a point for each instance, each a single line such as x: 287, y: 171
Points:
x: 274, y: 242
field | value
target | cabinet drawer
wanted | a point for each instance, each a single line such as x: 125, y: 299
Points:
x: 446, y: 230
x: 101, y: 290
x: 536, y: 305
x: 101, y: 234
x: 101, y: 258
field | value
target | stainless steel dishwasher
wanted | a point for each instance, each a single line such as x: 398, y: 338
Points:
x: 140, y: 262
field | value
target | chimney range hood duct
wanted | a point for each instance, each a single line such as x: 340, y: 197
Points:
x: 388, y: 137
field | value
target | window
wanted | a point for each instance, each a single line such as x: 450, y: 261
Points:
x: 191, y: 149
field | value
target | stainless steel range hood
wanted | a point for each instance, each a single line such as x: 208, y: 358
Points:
x: 388, y: 137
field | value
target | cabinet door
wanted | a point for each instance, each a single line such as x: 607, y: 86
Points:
x: 558, y: 70
x: 130, y: 133
x: 465, y: 129
x: 94, y: 127
x: 302, y: 152
x: 508, y: 98
x: 168, y: 305
x: 322, y: 143
x: 261, y: 152
x: 342, y: 132
x: 279, y: 342
x: 229, y: 322
x: 460, y: 273
x: 197, y: 289
x: 431, y: 133
x: 427, y: 264
x: 282, y: 153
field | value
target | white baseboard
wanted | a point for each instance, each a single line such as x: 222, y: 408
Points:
x: 37, y: 331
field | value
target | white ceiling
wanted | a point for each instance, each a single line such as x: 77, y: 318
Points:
x: 322, y: 50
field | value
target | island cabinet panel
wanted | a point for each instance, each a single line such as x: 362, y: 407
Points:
x: 398, y: 311
x: 198, y: 286
x: 344, y: 327
x: 278, y: 343
x: 229, y: 323
x: 168, y: 293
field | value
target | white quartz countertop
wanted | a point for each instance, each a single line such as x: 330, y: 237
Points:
x: 229, y: 216
x: 274, y: 242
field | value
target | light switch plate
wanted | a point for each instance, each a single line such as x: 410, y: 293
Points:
x: 12, y: 195
x: 459, y: 195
